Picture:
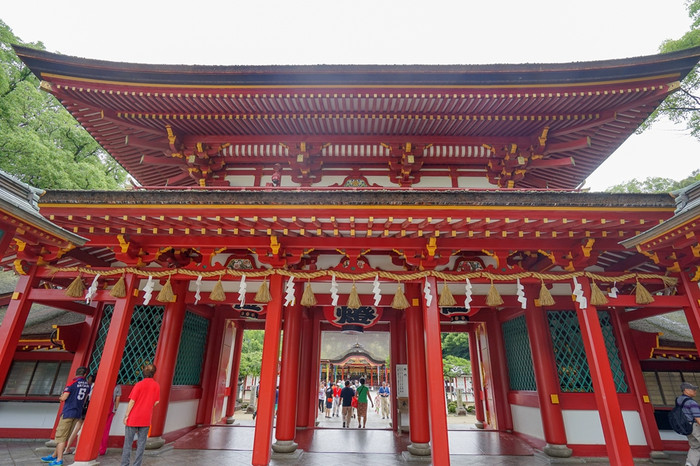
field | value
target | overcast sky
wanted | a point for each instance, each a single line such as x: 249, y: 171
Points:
x: 255, y: 32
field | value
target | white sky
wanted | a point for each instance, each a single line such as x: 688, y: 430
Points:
x: 279, y: 32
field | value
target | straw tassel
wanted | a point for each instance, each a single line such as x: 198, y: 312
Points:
x: 446, y: 298
x: 642, y: 295
x: 308, y: 299
x: 119, y: 288
x: 263, y: 294
x: 493, y: 299
x: 399, y: 301
x: 354, y: 299
x: 166, y: 295
x: 76, y: 289
x: 545, y: 296
x: 217, y: 294
x: 597, y: 296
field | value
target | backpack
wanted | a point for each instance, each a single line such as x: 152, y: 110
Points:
x: 679, y: 423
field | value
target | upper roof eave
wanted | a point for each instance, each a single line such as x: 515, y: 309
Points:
x: 47, y: 63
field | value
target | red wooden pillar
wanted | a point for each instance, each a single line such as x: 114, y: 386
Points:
x: 501, y: 383
x: 619, y: 451
x: 436, y: 384
x: 639, y: 388
x: 314, y: 361
x: 268, y: 374
x: 289, y: 379
x: 308, y: 391
x: 108, y: 371
x: 166, y: 359
x: 692, y: 311
x: 398, y: 356
x: 544, y: 366
x: 418, y: 414
x: 235, y: 372
x: 476, y: 378
x: 13, y: 323
x: 212, y: 359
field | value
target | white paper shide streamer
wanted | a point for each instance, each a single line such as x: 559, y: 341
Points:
x: 148, y: 290
x: 613, y: 291
x: 198, y: 289
x: 377, y: 291
x: 468, y: 295
x: 521, y: 294
x: 242, y: 290
x: 427, y: 293
x: 578, y: 293
x: 92, y: 290
x: 334, y: 291
x: 289, y: 297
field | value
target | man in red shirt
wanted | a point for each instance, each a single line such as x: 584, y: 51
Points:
x: 143, y: 398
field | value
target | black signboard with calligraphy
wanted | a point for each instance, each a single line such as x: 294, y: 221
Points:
x: 456, y: 314
x: 350, y: 319
x: 250, y: 311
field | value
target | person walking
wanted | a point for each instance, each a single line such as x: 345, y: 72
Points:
x: 691, y: 410
x: 383, y: 400
x: 346, y: 396
x: 116, y: 396
x: 137, y: 419
x: 329, y: 399
x: 322, y: 396
x: 337, y: 388
x: 78, y: 427
x: 73, y: 397
x: 362, y: 398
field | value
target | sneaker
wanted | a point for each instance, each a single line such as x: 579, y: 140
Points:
x: 343, y: 424
x: 48, y: 459
x: 56, y: 463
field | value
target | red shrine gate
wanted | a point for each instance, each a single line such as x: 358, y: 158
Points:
x: 271, y: 197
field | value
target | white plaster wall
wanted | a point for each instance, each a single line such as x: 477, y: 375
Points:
x: 527, y: 420
x: 30, y: 415
x: 181, y: 414
x: 584, y: 427
x: 434, y: 182
x: 481, y: 182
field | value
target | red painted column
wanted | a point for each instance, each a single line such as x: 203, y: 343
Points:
x: 13, y: 323
x: 398, y: 356
x: 235, y: 372
x: 692, y: 311
x: 548, y: 389
x: 268, y: 374
x: 166, y: 358
x: 639, y: 387
x: 474, y: 358
x: 418, y: 413
x: 501, y: 383
x: 308, y: 393
x: 289, y: 379
x: 314, y: 362
x: 436, y: 384
x: 212, y: 359
x: 619, y: 451
x: 108, y: 371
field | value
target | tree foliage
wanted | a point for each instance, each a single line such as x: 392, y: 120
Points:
x: 455, y: 344
x: 654, y: 184
x: 452, y: 367
x: 684, y: 105
x: 40, y: 142
x: 251, y: 352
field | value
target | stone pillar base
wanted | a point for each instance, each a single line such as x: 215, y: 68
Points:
x: 479, y: 424
x: 284, y: 446
x: 658, y: 455
x: 558, y: 451
x: 86, y: 463
x: 51, y: 443
x: 410, y: 458
x: 419, y: 449
x: 230, y: 420
x: 154, y: 443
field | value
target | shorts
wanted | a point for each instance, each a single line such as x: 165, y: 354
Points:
x: 65, y: 427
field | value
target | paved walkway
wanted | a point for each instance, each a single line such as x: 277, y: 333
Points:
x: 329, y: 444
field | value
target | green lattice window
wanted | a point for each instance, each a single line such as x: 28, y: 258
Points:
x: 518, y: 355
x: 570, y: 355
x: 141, y: 341
x: 190, y: 355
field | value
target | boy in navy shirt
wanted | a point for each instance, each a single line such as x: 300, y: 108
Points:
x: 73, y: 397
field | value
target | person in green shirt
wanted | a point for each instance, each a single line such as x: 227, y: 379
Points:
x: 362, y: 398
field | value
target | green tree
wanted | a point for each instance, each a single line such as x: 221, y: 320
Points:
x: 40, y: 142
x: 452, y: 367
x: 654, y: 184
x: 455, y: 344
x: 251, y: 352
x: 684, y: 105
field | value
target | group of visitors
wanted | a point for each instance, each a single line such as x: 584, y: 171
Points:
x: 350, y: 401
x: 137, y: 419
